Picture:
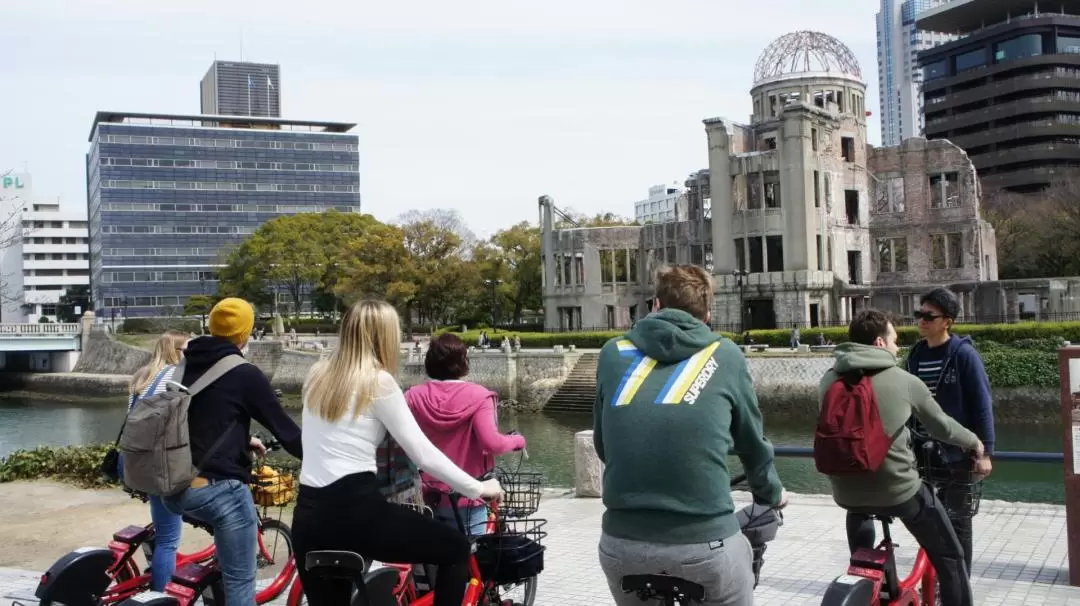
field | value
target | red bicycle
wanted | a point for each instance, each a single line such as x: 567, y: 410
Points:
x: 98, y: 576
x: 872, y: 578
x: 509, y: 556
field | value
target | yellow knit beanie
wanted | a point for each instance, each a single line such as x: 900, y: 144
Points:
x: 232, y: 319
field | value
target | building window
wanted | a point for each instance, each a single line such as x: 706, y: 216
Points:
x: 892, y: 255
x: 817, y: 190
x: 945, y: 190
x: 854, y: 261
x: 820, y: 255
x: 851, y: 206
x: 828, y: 192
x: 757, y: 255
x: 753, y: 191
x: 847, y: 148
x: 890, y: 195
x: 971, y: 60
x: 946, y: 251
x: 1068, y: 45
x: 774, y: 252
x: 771, y: 179
x: 740, y: 255
x: 935, y: 70
x: 770, y: 142
x: 1020, y: 47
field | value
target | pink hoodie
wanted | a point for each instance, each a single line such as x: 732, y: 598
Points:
x: 459, y: 419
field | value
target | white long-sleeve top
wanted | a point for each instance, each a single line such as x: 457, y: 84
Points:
x: 349, y: 445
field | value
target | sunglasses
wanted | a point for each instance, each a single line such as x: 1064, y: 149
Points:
x: 925, y: 315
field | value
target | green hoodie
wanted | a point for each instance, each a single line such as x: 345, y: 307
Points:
x: 899, y: 395
x: 672, y: 401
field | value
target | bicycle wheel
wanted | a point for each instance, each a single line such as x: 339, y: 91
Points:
x: 521, y: 594
x: 272, y: 574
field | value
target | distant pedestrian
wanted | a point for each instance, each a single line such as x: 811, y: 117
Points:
x: 795, y: 338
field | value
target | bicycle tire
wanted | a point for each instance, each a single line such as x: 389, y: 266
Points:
x: 528, y: 589
x: 275, y: 525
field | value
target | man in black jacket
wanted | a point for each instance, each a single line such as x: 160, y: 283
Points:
x: 219, y: 420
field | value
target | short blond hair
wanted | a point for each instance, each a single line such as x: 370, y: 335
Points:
x: 685, y: 287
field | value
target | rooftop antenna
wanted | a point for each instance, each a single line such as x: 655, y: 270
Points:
x: 241, y: 45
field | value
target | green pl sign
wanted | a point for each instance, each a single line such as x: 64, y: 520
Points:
x: 11, y: 182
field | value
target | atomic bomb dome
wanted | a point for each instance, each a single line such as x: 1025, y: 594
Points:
x: 806, y: 52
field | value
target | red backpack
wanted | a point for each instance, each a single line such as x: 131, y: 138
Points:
x: 850, y: 438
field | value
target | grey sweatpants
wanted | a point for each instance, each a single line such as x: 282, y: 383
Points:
x: 724, y: 568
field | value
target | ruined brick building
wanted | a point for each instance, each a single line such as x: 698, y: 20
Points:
x: 798, y: 219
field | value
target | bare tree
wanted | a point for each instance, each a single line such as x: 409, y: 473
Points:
x: 11, y: 234
x: 444, y: 218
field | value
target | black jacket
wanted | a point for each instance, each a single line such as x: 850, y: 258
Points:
x: 229, y: 405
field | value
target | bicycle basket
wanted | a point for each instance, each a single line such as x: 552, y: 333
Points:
x: 512, y: 554
x: 957, y: 485
x: 272, y: 489
x: 521, y: 496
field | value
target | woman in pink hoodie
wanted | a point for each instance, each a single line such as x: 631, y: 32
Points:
x: 460, y: 420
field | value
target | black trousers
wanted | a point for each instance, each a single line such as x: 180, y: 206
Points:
x: 352, y: 515
x: 926, y: 520
x: 957, y: 499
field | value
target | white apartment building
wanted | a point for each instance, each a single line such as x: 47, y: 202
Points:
x: 51, y: 256
x: 660, y: 206
x: 899, y: 74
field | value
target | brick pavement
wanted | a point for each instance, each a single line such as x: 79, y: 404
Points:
x: 1020, y: 556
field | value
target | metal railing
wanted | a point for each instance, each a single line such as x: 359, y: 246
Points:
x: 38, y: 330
x: 1022, y: 457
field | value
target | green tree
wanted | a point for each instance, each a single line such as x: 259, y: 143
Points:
x: 438, y: 271
x: 74, y: 297
x: 374, y: 263
x: 519, y: 247
x: 199, y: 305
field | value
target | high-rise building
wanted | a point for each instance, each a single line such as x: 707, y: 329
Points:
x: 1008, y: 90
x: 660, y: 205
x: 899, y: 76
x: 48, y: 252
x: 232, y: 88
x: 167, y: 194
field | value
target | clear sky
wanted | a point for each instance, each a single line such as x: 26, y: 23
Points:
x: 476, y: 105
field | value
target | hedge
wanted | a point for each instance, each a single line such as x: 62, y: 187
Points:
x: 159, y: 325
x: 80, y: 465
x: 907, y: 335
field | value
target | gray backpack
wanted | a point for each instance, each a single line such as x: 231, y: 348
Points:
x: 154, y: 439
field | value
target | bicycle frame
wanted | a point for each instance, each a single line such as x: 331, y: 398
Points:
x: 124, y: 545
x: 879, y: 566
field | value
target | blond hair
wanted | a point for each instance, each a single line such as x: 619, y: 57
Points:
x: 369, y: 342
x: 167, y: 351
x: 685, y: 287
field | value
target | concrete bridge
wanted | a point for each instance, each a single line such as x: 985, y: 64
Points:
x: 40, y: 347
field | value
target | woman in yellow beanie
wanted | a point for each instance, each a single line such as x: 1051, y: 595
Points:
x: 219, y: 420
x: 351, y: 401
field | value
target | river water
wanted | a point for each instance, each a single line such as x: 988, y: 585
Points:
x: 29, y: 423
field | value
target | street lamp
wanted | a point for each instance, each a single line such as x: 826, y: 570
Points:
x: 125, y: 316
x: 740, y: 279
x: 494, y: 301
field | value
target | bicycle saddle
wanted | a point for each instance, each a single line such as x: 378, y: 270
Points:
x: 664, y: 587
x: 336, y: 564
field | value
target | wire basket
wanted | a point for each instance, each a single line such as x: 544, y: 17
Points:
x: 514, y: 553
x: 521, y: 493
x: 957, y: 485
x: 270, y: 488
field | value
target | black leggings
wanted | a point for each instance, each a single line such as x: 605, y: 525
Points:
x: 352, y: 515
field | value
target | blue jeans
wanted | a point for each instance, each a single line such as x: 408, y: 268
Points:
x: 167, y: 527
x: 475, y: 518
x: 226, y: 505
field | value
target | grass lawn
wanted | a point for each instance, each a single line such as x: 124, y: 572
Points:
x: 141, y: 341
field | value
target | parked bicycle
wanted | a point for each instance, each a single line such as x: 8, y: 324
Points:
x: 872, y: 578
x: 101, y: 576
x: 759, y: 523
x: 506, y: 559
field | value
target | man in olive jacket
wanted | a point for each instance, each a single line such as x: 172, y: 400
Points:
x: 895, y: 489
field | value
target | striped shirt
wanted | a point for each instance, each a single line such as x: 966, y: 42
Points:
x: 931, y: 362
x: 166, y: 375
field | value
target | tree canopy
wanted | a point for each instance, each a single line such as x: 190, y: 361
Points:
x: 428, y: 265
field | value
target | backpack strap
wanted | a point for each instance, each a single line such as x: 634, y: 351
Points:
x: 215, y: 372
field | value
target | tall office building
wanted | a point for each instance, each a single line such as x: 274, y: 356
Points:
x: 1008, y: 90
x: 168, y: 194
x: 232, y: 88
x: 899, y: 76
x: 660, y: 205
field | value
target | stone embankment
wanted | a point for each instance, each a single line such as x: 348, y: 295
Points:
x: 785, y: 385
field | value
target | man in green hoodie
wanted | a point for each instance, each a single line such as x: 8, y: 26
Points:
x: 895, y: 489
x: 673, y: 399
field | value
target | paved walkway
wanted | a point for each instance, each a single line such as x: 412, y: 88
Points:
x: 1020, y: 556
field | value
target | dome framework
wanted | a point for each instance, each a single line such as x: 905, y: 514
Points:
x: 806, y: 52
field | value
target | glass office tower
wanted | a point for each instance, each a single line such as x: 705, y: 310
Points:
x: 167, y: 195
